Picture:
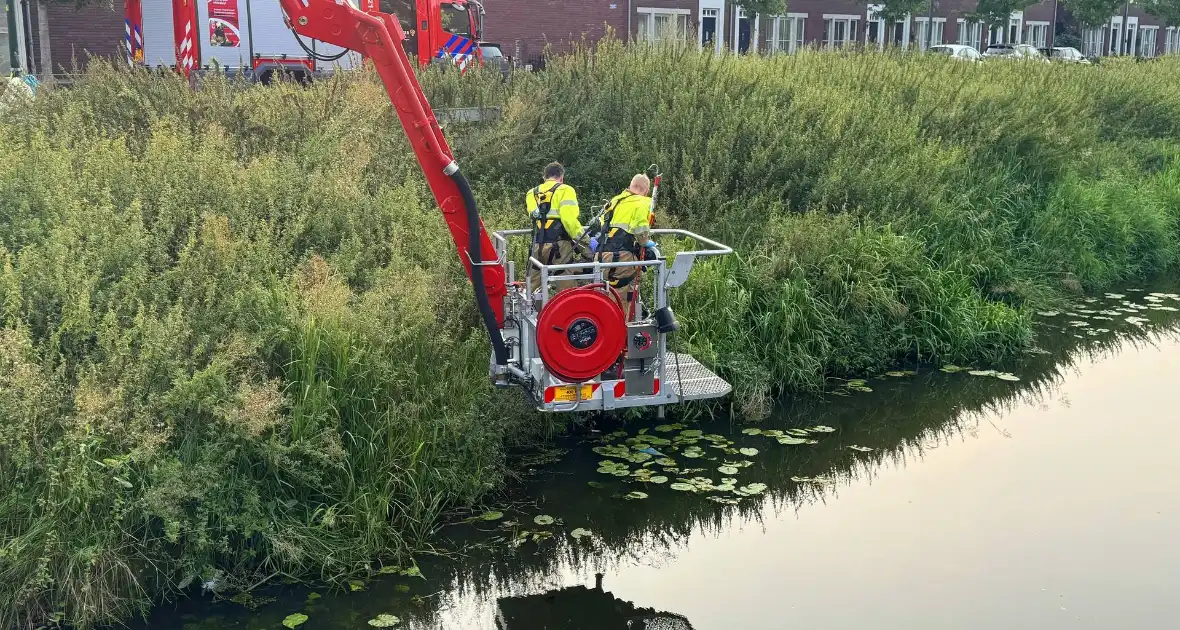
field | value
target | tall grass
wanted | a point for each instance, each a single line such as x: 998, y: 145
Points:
x: 236, y: 344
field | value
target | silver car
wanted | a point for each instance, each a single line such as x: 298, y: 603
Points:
x: 1014, y: 51
x: 957, y: 51
x: 493, y: 58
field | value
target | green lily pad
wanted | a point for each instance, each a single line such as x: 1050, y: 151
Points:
x: 952, y: 369
x: 692, y: 433
x: 666, y: 461
x: 725, y: 500
x: 294, y: 620
x: 384, y: 621
x: 901, y: 373
x: 311, y: 597
x: 491, y: 516
x: 668, y: 428
x: 621, y: 452
x: 982, y: 372
x: 754, y: 488
x: 791, y: 440
x: 725, y: 480
x: 543, y: 519
x: 772, y: 433
x: 748, y: 452
x: 1004, y: 376
x: 580, y: 533
x: 751, y: 431
x: 356, y: 585
x: 725, y: 487
x: 683, y: 487
x: 658, y: 479
x: 821, y: 429
x: 620, y: 472
x: 862, y: 449
x: 797, y: 432
x: 727, y: 470
x: 693, y: 454
x: 636, y: 495
x: 639, y: 458
x: 596, y: 484
x: 402, y: 588
x: 413, y: 571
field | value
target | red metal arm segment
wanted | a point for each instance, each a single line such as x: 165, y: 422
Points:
x: 379, y: 38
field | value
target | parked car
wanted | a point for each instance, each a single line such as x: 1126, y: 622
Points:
x: 493, y: 57
x: 1014, y: 51
x: 1065, y: 54
x: 957, y: 51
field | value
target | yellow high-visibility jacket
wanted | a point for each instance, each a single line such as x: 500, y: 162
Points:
x: 630, y: 213
x: 558, y: 202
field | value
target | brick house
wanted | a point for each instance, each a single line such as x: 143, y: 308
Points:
x: 54, y: 34
x: 524, y: 27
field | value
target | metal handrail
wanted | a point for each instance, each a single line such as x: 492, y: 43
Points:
x: 719, y: 249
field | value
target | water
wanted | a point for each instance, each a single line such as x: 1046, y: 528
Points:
x: 1048, y: 503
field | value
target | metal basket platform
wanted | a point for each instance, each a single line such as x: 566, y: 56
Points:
x: 690, y: 380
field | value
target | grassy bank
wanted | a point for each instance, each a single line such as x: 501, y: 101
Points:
x: 237, y: 345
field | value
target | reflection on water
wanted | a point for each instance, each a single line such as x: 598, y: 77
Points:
x: 1051, y: 502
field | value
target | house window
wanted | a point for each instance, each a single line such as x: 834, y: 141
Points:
x: 787, y: 32
x: 840, y: 30
x: 1122, y: 40
x: 1036, y: 34
x: 899, y: 33
x: 1014, y: 28
x: 1147, y: 40
x: 1172, y: 41
x: 6, y: 40
x: 874, y: 26
x: 662, y: 24
x: 922, y: 33
x: 710, y: 26
x: 970, y: 33
x: 1092, y: 41
x: 1009, y: 35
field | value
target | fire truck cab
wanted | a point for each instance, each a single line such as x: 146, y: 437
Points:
x: 439, y: 31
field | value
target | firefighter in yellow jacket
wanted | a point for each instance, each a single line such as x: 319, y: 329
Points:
x: 553, y: 209
x: 626, y: 232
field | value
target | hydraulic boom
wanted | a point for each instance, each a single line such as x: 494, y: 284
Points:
x: 379, y: 37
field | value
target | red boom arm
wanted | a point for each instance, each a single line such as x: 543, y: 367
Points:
x: 379, y: 37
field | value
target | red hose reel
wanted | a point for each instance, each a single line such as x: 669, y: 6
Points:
x: 581, y: 332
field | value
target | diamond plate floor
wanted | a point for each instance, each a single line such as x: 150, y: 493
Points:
x: 693, y: 381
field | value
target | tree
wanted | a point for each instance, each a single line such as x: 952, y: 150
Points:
x: 995, y: 13
x: 1093, y: 12
x: 762, y: 7
x: 1166, y: 10
x: 893, y: 10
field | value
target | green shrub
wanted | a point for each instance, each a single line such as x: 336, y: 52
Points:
x: 236, y: 342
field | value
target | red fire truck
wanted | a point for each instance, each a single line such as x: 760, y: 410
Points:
x: 253, y: 37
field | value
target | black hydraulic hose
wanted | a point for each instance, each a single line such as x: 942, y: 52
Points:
x: 475, y: 250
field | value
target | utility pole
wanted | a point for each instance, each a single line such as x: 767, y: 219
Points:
x: 930, y: 26
x: 1124, y: 45
x: 1053, y: 29
x: 14, y: 37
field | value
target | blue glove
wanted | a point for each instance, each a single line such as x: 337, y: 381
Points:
x: 593, y: 243
x: 650, y: 245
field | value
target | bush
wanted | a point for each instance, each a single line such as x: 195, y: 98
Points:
x: 236, y: 343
